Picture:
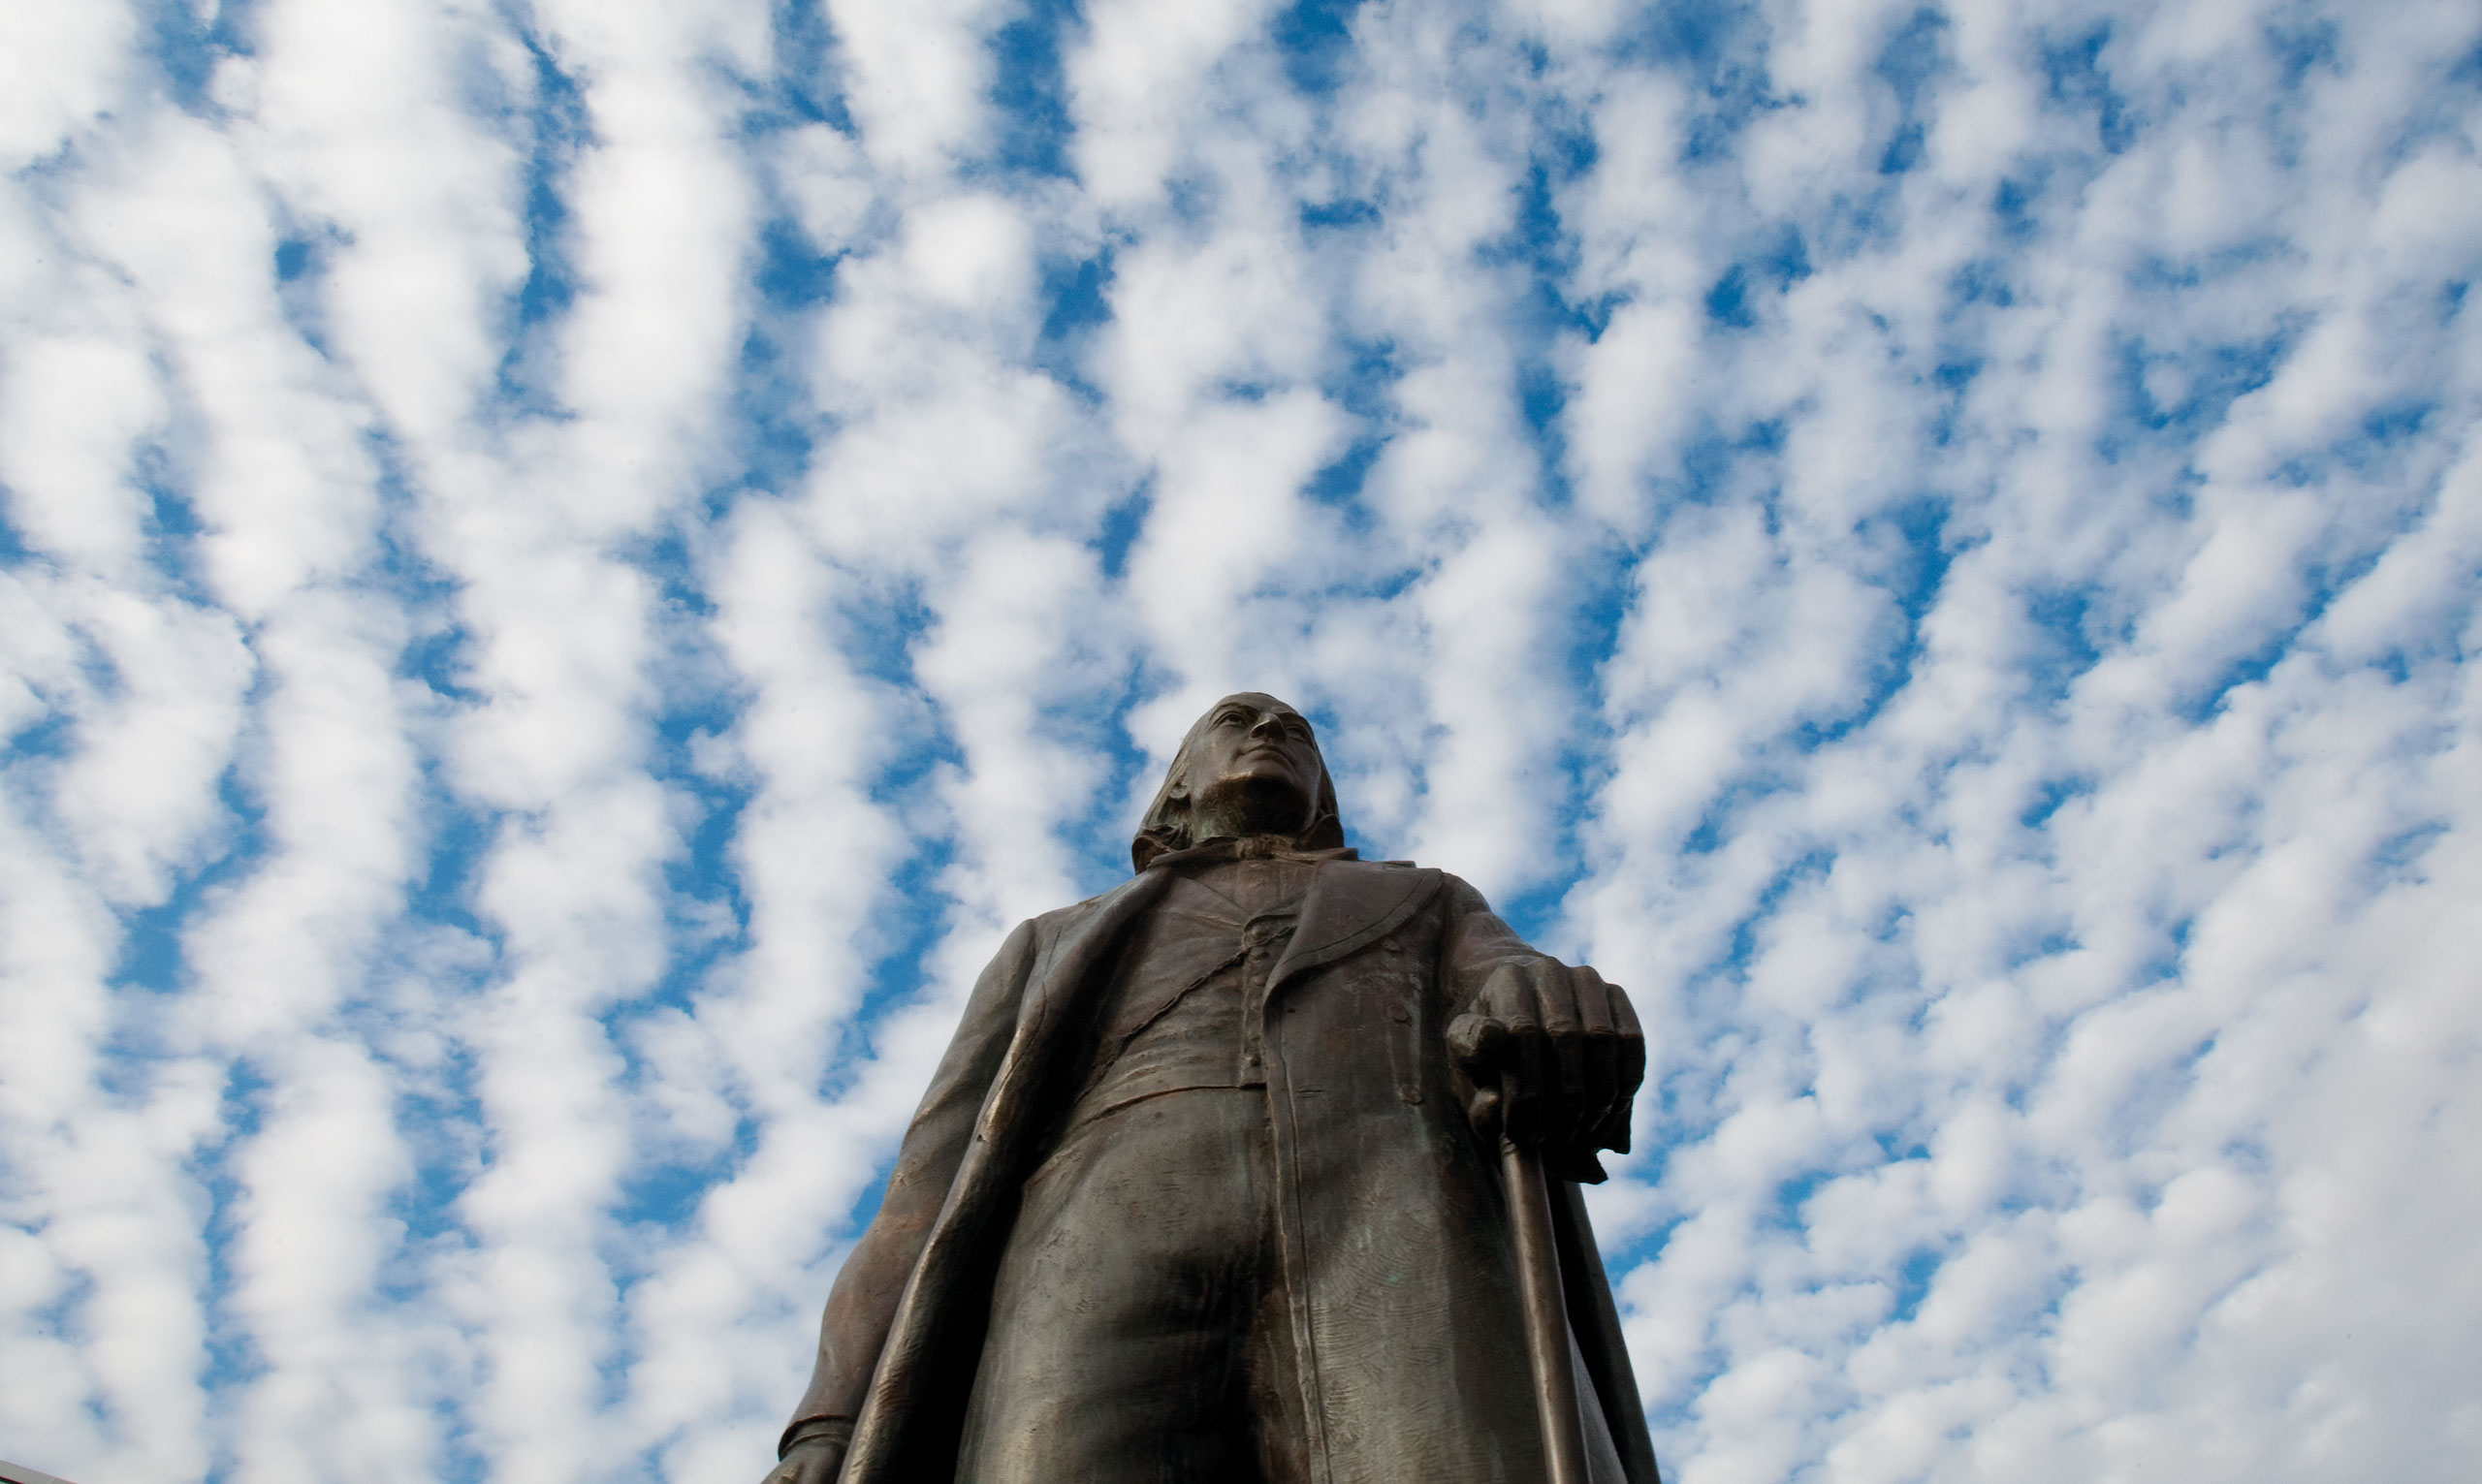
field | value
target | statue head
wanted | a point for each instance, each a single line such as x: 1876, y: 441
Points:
x: 1249, y: 766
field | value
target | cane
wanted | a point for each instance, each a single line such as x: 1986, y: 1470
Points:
x: 1546, y: 1308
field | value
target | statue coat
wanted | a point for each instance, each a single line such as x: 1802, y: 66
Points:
x: 1401, y: 1286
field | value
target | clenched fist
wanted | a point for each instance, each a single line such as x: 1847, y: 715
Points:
x: 1555, y: 1056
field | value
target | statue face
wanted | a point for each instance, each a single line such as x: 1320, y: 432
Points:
x: 1255, y: 770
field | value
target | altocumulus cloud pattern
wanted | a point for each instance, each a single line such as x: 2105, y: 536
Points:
x: 569, y: 567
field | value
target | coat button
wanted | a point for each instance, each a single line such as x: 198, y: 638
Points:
x: 1400, y: 1015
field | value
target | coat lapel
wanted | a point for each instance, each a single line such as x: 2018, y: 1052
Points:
x: 1059, y: 979
x: 1351, y: 905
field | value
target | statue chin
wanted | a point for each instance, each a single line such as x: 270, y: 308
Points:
x: 1247, y: 805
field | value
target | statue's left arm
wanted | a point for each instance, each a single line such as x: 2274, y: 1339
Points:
x: 862, y: 1305
x: 1554, y: 1054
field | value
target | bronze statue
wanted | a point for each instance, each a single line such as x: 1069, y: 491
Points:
x: 1209, y: 1185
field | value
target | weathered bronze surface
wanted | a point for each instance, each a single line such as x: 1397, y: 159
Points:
x: 1260, y: 1168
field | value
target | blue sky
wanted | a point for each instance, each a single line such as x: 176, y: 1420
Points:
x: 567, y: 570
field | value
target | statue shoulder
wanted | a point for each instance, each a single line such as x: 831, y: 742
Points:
x: 1357, y: 868
x: 1459, y: 893
x: 1049, y: 926
x: 1058, y: 920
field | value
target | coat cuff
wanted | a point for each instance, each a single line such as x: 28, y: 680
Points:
x: 835, y: 1431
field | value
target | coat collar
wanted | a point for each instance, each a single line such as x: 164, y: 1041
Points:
x: 1352, y: 905
x: 1257, y: 847
x: 1077, y: 949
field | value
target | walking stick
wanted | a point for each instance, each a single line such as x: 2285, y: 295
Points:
x: 1547, y: 1310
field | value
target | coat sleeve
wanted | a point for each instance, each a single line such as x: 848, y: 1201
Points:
x: 1477, y: 943
x: 1474, y: 941
x: 862, y: 1305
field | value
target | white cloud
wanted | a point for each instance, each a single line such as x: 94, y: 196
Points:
x: 1138, y: 81
x: 914, y: 76
x: 63, y: 71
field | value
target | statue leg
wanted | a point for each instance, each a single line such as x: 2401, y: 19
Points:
x: 1126, y: 1343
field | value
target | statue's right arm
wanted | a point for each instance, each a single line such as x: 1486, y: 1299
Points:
x: 862, y: 1305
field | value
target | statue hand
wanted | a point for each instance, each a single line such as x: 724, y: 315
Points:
x: 1555, y: 1056
x: 817, y: 1460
